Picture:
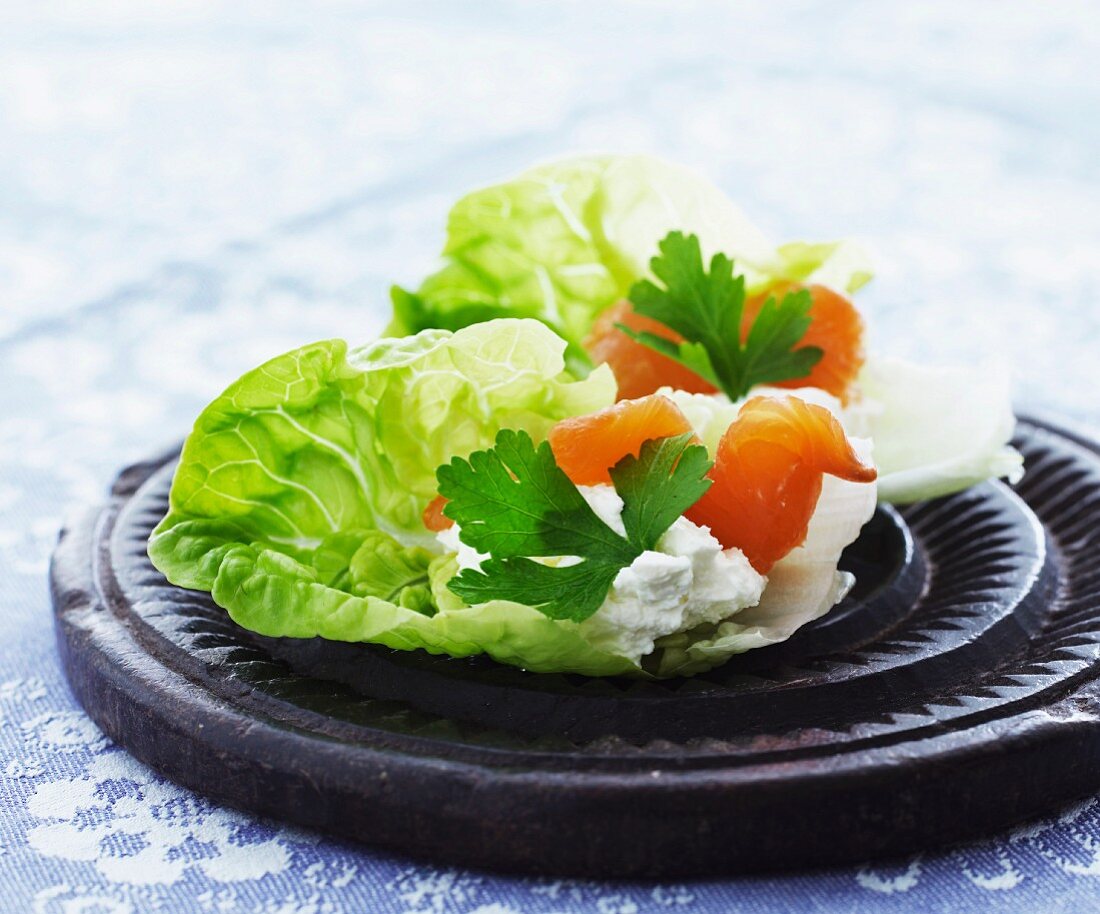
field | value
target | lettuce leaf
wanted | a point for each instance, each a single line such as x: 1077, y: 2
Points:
x: 936, y: 430
x: 294, y: 483
x: 269, y: 593
x: 564, y: 240
x: 381, y: 567
x: 323, y: 441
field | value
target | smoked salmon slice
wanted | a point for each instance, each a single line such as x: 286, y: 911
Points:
x: 638, y: 369
x: 586, y: 447
x: 835, y: 327
x: 767, y: 471
x: 434, y: 518
x: 767, y: 476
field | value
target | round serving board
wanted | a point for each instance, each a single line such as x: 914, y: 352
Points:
x: 954, y: 692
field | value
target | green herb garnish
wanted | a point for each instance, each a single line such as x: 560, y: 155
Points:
x: 706, y: 309
x: 515, y: 503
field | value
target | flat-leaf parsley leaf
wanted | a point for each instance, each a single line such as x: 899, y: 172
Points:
x: 515, y: 503
x: 706, y: 309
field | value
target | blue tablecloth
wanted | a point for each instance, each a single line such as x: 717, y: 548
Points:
x: 187, y: 188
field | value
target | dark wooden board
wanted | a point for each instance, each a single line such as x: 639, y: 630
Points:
x: 953, y: 694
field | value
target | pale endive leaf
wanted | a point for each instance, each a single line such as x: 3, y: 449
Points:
x: 936, y: 430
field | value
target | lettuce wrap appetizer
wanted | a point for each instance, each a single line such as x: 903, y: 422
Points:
x: 464, y: 493
x: 617, y: 433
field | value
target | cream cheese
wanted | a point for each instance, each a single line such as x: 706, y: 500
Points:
x: 686, y: 581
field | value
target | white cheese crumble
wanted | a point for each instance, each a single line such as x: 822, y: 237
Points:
x: 688, y: 580
x: 466, y: 556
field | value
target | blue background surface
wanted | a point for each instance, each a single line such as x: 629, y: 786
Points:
x: 187, y: 188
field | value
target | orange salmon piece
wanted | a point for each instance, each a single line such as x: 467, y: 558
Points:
x: 638, y: 369
x: 767, y: 476
x: 434, y: 518
x: 835, y: 327
x: 586, y: 447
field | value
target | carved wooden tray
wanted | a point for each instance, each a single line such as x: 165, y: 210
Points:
x: 953, y: 693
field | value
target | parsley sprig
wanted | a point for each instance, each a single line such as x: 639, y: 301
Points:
x: 706, y: 309
x: 515, y: 503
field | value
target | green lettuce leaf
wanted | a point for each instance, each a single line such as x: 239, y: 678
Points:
x: 564, y: 240
x: 381, y: 567
x: 323, y: 440
x: 294, y: 483
x: 272, y: 594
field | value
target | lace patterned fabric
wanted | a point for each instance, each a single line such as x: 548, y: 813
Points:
x: 187, y: 189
